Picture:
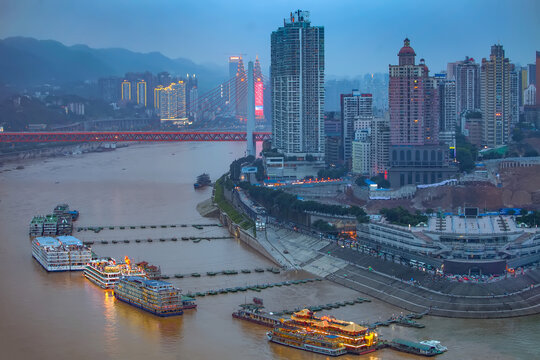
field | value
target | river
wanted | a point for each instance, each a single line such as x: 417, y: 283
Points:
x: 64, y: 316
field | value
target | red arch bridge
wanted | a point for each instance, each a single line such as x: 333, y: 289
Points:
x: 113, y: 136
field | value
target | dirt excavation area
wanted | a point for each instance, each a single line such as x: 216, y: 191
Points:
x: 520, y: 188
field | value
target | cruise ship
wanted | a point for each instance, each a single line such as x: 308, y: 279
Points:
x: 106, y: 272
x: 357, y: 339
x: 63, y: 253
x: 305, y: 339
x: 155, y: 296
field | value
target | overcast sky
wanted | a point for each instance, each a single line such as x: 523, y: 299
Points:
x: 361, y: 36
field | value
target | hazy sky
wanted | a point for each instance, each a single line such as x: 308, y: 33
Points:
x: 361, y: 36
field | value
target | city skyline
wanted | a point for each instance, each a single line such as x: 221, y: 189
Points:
x: 444, y: 35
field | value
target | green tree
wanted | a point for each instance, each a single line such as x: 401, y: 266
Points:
x: 465, y: 159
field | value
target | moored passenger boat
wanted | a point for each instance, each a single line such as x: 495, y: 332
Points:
x: 306, y: 340
x: 157, y: 297
x: 63, y: 253
x: 357, y: 339
x: 253, y: 313
x: 106, y: 272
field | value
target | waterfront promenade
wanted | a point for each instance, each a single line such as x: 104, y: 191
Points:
x: 390, y: 282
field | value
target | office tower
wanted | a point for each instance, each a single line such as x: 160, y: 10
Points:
x: 466, y: 74
x: 354, y: 106
x: 141, y: 93
x: 108, y: 88
x: 125, y: 91
x: 259, y: 90
x: 496, y: 97
x: 297, y: 81
x: 416, y: 156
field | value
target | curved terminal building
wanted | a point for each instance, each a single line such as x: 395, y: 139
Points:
x: 457, y: 244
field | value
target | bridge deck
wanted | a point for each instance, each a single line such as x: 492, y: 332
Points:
x: 114, y: 136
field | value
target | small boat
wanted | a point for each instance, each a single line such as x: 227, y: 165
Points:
x: 246, y: 271
x: 259, y: 270
x: 195, y: 274
x: 211, y: 273
x: 178, y: 276
x: 203, y: 180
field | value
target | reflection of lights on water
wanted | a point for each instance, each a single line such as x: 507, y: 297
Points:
x: 109, y: 313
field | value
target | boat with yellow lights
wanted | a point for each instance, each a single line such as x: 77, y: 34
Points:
x: 355, y: 338
x: 105, y: 273
x: 155, y: 296
x: 306, y: 339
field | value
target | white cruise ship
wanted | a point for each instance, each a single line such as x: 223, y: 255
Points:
x: 106, y: 272
x: 63, y: 253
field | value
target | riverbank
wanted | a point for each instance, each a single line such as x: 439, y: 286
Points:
x: 389, y: 282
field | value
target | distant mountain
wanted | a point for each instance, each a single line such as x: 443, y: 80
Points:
x: 28, y: 61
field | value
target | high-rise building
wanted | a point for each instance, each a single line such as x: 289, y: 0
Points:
x: 229, y: 90
x: 361, y: 152
x: 515, y: 95
x: 241, y: 91
x: 126, y: 91
x: 370, y: 147
x: 259, y: 90
x: 447, y: 102
x: 496, y: 97
x: 537, y: 77
x: 354, y: 106
x: 172, y: 103
x: 141, y: 93
x: 297, y: 81
x: 192, y: 95
x: 466, y: 74
x: 531, y: 73
x: 416, y: 155
x: 529, y: 96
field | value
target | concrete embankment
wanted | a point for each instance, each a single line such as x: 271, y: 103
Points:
x: 442, y: 297
x: 388, y: 281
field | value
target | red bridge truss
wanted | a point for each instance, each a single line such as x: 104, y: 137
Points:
x: 113, y: 136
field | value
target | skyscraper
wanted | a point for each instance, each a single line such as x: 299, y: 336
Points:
x: 141, y: 93
x: 466, y: 74
x: 416, y: 156
x: 259, y: 90
x: 496, y: 97
x: 241, y: 91
x: 229, y: 90
x: 172, y: 103
x: 354, y: 106
x: 125, y: 91
x: 297, y: 81
x: 447, y: 102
